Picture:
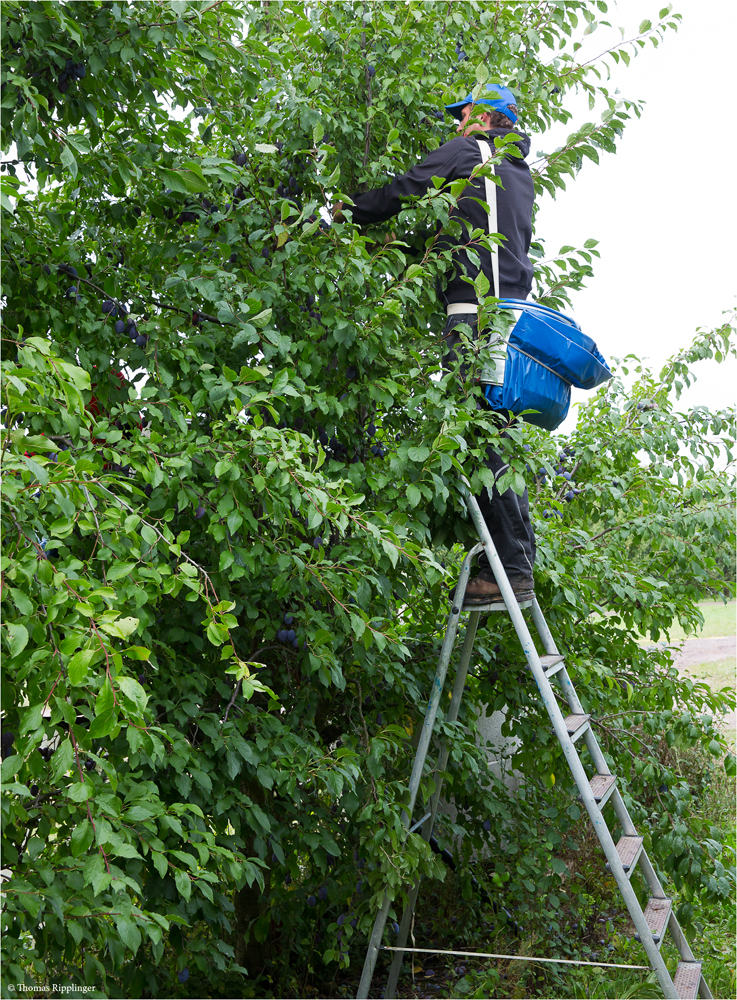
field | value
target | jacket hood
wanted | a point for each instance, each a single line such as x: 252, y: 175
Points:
x: 522, y: 144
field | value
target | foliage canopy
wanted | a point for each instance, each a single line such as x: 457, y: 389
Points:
x: 225, y: 421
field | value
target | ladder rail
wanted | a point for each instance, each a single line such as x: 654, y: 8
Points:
x: 592, y: 743
x: 574, y: 702
x: 569, y: 692
x: 594, y: 748
x: 680, y: 939
x: 651, y: 877
x: 569, y: 751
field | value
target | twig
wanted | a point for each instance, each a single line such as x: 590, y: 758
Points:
x: 99, y: 533
x: 89, y: 812
x: 236, y: 692
x: 367, y: 742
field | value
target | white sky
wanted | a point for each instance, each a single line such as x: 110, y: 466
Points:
x: 663, y: 206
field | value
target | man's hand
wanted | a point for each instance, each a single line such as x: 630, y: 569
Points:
x: 338, y: 211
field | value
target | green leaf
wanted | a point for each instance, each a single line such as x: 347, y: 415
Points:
x: 413, y: 495
x: 68, y: 160
x: 121, y: 628
x: 222, y: 468
x: 120, y: 570
x: 133, y: 690
x: 100, y: 882
x: 80, y: 142
x: 11, y: 766
x: 183, y: 181
x: 217, y: 634
x: 17, y: 638
x: 68, y: 711
x: 31, y: 719
x: 79, y: 665
x: 261, y: 319
x: 391, y: 550
x: 62, y: 759
x: 38, y: 471
x: 79, y: 376
x: 105, y: 699
x: 129, y: 933
x: 137, y: 653
x: 103, y: 724
x: 82, y: 838
x: 183, y: 884
x: 79, y: 791
x: 159, y: 863
x: 149, y: 535
x: 22, y: 601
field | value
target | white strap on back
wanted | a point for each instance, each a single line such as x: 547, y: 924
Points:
x: 485, y: 150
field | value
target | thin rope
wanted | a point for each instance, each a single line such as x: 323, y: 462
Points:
x: 516, y: 958
x: 513, y: 347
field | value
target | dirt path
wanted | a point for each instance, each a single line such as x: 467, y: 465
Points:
x: 712, y: 661
x: 693, y: 652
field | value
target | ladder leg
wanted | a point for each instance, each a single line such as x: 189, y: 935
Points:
x: 417, y: 768
x: 404, y: 926
x: 373, y: 949
x: 453, y: 709
x: 451, y: 716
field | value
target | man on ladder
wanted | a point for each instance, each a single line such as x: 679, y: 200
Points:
x: 507, y: 547
x: 507, y: 515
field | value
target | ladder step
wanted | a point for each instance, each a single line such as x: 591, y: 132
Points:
x: 497, y: 606
x: 687, y: 979
x: 602, y: 785
x: 576, y: 725
x: 629, y: 850
x: 657, y: 913
x: 552, y: 663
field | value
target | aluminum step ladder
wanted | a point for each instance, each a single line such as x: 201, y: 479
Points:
x: 623, y: 858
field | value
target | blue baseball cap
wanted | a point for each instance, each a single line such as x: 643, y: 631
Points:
x: 501, y: 99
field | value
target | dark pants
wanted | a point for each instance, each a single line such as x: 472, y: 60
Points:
x: 507, y: 515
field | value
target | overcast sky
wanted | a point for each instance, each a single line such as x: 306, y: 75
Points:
x: 662, y: 207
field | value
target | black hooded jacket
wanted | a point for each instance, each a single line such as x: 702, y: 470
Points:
x: 452, y: 160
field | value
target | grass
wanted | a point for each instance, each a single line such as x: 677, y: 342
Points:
x: 719, y: 621
x: 717, y: 674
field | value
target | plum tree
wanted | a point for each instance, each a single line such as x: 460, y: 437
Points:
x: 271, y: 428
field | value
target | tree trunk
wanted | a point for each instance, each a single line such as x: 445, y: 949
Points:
x: 250, y: 902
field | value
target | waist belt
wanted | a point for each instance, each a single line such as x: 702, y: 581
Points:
x: 459, y: 308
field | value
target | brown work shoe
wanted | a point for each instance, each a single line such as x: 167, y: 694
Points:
x: 483, y: 589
